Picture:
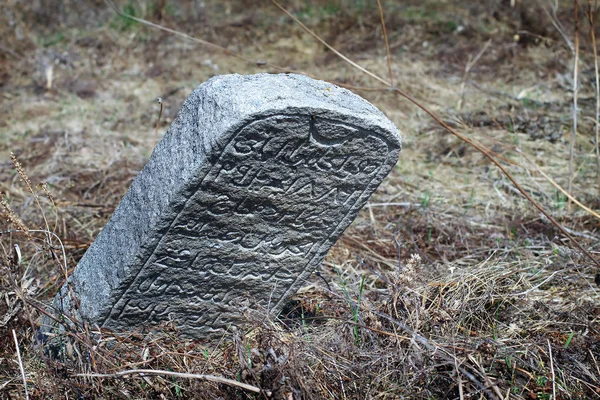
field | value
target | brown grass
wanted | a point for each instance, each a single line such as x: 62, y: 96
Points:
x: 448, y: 285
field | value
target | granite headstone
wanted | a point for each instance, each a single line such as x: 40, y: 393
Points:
x: 250, y: 187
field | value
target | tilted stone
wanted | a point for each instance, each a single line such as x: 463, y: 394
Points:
x: 252, y: 184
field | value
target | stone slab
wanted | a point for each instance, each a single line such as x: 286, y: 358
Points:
x: 250, y: 187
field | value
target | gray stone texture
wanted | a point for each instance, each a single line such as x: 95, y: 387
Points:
x: 252, y: 184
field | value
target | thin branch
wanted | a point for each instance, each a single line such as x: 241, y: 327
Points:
x: 558, y: 26
x: 486, y: 153
x: 538, y: 169
x: 458, y: 378
x: 324, y: 43
x: 387, y: 44
x: 470, y: 64
x: 143, y: 372
x: 487, y: 380
x: 592, y: 21
x: 159, y: 101
x: 193, y: 39
x: 229, y: 52
x: 442, y: 354
x: 557, y: 186
x: 21, y: 364
x: 552, y: 369
x: 48, y: 233
x: 575, y: 94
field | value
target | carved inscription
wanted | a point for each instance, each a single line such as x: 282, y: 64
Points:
x: 260, y: 220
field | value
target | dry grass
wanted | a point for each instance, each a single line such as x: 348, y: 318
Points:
x: 448, y: 285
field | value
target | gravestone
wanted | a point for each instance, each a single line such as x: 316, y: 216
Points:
x: 252, y: 184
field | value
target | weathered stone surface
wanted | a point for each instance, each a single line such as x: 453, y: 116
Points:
x: 252, y: 184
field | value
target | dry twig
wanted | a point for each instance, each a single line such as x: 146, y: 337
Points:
x: 552, y: 370
x: 575, y: 94
x: 592, y: 21
x: 160, y: 102
x: 470, y: 64
x: 21, y: 364
x: 143, y: 372
x: 557, y: 25
x: 558, y: 187
x: 387, y: 44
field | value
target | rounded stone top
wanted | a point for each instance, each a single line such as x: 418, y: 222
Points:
x: 260, y: 94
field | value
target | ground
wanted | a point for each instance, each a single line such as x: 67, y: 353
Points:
x: 450, y: 283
